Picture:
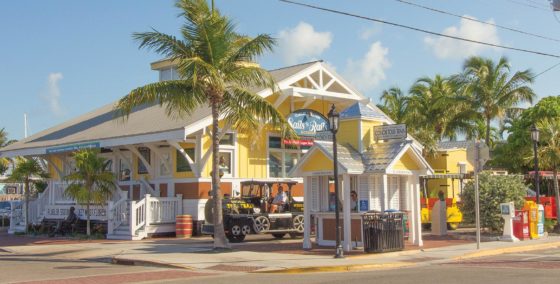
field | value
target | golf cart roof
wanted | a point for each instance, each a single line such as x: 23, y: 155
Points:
x: 269, y: 182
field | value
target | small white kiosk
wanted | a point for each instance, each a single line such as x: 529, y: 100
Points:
x: 385, y: 176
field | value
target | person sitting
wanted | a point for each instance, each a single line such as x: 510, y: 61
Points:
x: 279, y: 200
x: 66, y: 225
x: 353, y: 201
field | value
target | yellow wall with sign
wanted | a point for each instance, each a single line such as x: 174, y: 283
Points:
x: 318, y: 162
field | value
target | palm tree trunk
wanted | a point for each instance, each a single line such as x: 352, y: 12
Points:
x: 26, y: 216
x: 487, y: 139
x: 557, y: 196
x: 88, y: 230
x: 220, y: 240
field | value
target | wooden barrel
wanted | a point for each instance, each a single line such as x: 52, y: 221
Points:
x: 183, y: 226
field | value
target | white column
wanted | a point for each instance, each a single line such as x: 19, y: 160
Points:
x: 148, y: 210
x: 385, y: 199
x: 307, y: 214
x: 347, y: 244
x: 410, y: 187
x: 416, y: 213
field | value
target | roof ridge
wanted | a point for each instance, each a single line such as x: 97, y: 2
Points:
x: 300, y: 64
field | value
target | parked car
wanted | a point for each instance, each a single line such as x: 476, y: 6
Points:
x: 250, y: 213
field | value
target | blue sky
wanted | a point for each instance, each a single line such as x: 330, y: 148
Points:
x: 63, y: 58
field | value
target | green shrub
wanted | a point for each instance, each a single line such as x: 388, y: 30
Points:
x: 549, y: 225
x: 493, y: 190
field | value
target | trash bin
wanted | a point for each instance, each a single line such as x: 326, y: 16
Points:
x: 532, y: 208
x: 521, y: 225
x: 383, y: 232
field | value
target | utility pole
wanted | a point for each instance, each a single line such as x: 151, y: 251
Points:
x: 476, y: 193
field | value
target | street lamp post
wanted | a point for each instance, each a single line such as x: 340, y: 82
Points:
x: 535, y: 138
x: 333, y: 125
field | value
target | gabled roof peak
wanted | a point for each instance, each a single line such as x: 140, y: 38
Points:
x: 360, y: 109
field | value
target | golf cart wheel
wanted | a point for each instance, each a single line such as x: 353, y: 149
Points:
x: 298, y: 224
x: 262, y: 224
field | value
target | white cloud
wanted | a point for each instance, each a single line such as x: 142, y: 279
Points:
x: 302, y: 42
x: 52, y: 94
x: 366, y: 73
x: 370, y: 31
x: 444, y: 48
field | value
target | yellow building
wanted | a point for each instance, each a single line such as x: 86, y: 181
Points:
x: 453, y: 158
x: 163, y: 164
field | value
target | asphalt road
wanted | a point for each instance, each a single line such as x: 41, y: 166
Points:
x: 530, y: 267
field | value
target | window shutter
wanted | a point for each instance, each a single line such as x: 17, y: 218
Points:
x: 314, y: 194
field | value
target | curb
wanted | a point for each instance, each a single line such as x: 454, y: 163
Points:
x: 386, y: 254
x: 337, y: 268
x: 492, y: 252
x: 126, y: 261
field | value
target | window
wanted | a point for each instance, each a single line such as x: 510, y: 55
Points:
x: 282, y: 157
x: 108, y: 165
x: 145, y: 152
x: 225, y: 163
x: 182, y: 163
x: 124, y: 170
x: 227, y: 139
x: 164, y: 164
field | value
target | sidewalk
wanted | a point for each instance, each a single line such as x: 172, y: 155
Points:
x: 263, y: 255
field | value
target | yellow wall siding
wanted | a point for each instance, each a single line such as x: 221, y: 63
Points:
x: 52, y: 172
x: 318, y: 162
x: 367, y: 132
x: 348, y: 133
x: 252, y: 159
x: 406, y: 162
x: 439, y: 162
x: 456, y: 156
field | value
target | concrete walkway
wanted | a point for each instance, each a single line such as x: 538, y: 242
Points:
x: 258, y: 255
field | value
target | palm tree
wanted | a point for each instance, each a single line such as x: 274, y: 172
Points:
x: 91, y: 183
x: 27, y: 171
x: 492, y: 90
x: 434, y: 107
x: 394, y: 104
x: 4, y: 141
x: 217, y: 69
x: 549, y: 153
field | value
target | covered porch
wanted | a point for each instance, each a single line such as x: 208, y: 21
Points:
x: 386, y: 177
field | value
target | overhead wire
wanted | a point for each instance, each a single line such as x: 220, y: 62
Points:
x: 527, y: 5
x: 476, y: 20
x: 548, y: 69
x: 418, y: 29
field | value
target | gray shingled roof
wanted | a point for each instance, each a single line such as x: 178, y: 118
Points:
x: 359, y: 110
x: 381, y: 155
x: 346, y: 155
x: 99, y: 124
x: 448, y: 145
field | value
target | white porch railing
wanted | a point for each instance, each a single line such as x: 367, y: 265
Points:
x: 164, y: 209
x: 135, y: 217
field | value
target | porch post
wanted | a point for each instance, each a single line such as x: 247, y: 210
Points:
x: 307, y: 214
x: 416, y: 213
x: 347, y: 243
x: 411, y: 191
x: 110, y: 217
x: 148, y: 210
x: 385, y: 204
x: 179, y: 209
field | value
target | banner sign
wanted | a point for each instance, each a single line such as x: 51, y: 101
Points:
x: 71, y: 148
x: 298, y: 142
x: 96, y: 212
x: 393, y: 131
x: 307, y: 122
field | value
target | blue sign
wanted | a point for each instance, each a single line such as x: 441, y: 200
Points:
x: 308, y: 122
x: 71, y: 148
x: 364, y: 205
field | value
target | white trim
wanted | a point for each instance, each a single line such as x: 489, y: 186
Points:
x: 136, y: 153
x: 192, y: 164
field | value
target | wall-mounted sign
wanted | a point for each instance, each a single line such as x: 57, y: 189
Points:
x: 364, y: 205
x: 393, y: 131
x: 74, y: 147
x: 307, y: 122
